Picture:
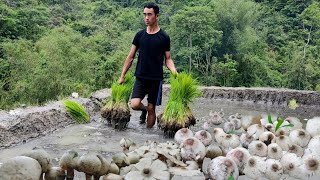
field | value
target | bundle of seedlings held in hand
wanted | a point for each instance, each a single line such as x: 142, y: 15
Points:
x: 116, y: 111
x: 177, y: 113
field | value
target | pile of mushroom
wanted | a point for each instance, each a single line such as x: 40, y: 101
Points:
x: 250, y: 151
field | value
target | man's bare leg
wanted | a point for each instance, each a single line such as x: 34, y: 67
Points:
x: 138, y: 106
x: 151, y: 119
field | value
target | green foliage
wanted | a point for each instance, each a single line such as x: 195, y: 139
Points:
x: 77, y: 111
x: 279, y: 123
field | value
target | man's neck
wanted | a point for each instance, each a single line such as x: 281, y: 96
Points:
x: 153, y: 29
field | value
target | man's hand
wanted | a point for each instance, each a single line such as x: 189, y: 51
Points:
x: 121, y: 80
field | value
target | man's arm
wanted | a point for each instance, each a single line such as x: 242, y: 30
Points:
x: 169, y: 63
x: 127, y: 63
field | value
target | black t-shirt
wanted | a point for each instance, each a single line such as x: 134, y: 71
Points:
x: 152, y: 48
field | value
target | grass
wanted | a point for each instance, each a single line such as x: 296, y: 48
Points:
x: 77, y: 111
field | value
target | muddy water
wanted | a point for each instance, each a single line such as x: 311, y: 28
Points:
x: 99, y: 138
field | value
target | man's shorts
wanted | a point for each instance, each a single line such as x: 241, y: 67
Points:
x: 152, y: 88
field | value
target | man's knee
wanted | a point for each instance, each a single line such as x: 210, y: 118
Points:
x: 135, y: 104
x: 151, y: 108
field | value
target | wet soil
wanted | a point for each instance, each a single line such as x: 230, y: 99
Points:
x: 103, y: 139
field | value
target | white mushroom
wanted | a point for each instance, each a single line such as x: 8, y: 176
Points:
x: 230, y: 141
x: 298, y: 150
x: 42, y: 157
x: 240, y: 156
x: 120, y: 159
x: 255, y: 167
x: 207, y: 125
x: 313, y: 126
x: 218, y: 135
x: 299, y: 137
x: 274, y: 169
x: 236, y: 121
x: 182, y: 134
x: 149, y: 169
x: 281, y: 131
x: 112, y: 176
x: 291, y: 165
x: 192, y: 149
x: 221, y: 168
x: 245, y: 139
x: 204, y: 136
x: 255, y: 130
x: 55, y: 173
x: 20, y: 167
x: 274, y: 151
x: 213, y: 151
x: 215, y: 118
x: 68, y: 162
x: 228, y: 127
x: 258, y: 148
x: 295, y: 121
x: 284, y: 142
x: 311, y: 166
x: 90, y: 164
x: 267, y: 138
x: 125, y: 143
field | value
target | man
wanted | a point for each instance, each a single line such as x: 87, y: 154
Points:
x: 154, y: 46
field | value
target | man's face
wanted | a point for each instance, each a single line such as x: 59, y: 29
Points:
x: 149, y: 16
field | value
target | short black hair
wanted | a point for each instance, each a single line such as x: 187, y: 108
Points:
x: 153, y: 5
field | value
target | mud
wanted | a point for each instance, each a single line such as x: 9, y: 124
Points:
x: 51, y: 128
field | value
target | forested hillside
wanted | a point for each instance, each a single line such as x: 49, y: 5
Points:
x: 50, y: 48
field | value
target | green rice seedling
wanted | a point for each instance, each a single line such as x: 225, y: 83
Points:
x: 77, y: 111
x: 177, y: 113
x: 279, y: 124
x: 116, y: 111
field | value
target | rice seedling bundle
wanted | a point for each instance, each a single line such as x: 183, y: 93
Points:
x: 177, y: 113
x: 116, y: 111
x: 77, y: 111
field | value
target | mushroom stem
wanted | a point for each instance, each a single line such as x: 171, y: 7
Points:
x: 41, y: 176
x: 97, y: 177
x: 70, y: 173
x: 88, y: 176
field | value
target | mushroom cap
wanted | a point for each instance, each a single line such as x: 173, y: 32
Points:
x: 240, y: 156
x: 229, y: 126
x: 213, y: 151
x: 147, y: 168
x: 245, y: 139
x: 274, y: 169
x: 267, y: 137
x: 105, y: 166
x: 313, y: 126
x: 231, y: 141
x: 218, y: 135
x: 112, y: 176
x: 291, y: 164
x: 204, y: 136
x: 215, y: 118
x: 125, y: 143
x: 274, y: 151
x: 300, y: 137
x: 42, y: 157
x: 296, y: 149
x: 192, y: 149
x: 311, y: 165
x: 182, y: 134
x: 255, y: 130
x: 89, y: 164
x: 55, y: 173
x: 255, y: 167
x: 20, y: 167
x: 284, y: 142
x: 69, y: 160
x: 222, y: 168
x: 258, y: 148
